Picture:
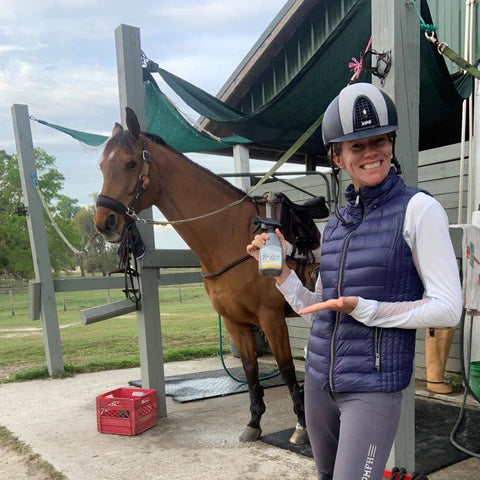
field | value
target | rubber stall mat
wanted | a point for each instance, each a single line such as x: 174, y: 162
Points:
x: 433, y: 423
x: 216, y: 383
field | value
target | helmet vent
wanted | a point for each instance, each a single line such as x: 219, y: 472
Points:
x: 364, y: 115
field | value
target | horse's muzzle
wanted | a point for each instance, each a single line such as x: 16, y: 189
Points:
x: 109, y: 226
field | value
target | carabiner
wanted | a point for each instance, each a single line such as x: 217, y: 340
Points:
x: 441, y: 46
x: 430, y: 36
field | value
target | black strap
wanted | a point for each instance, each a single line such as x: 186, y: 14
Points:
x: 225, y: 269
x: 110, y: 203
x: 116, y: 205
x: 131, y: 246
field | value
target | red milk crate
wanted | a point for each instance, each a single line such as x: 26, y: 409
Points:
x: 126, y: 411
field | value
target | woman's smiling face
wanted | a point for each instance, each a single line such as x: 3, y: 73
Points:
x: 367, y: 160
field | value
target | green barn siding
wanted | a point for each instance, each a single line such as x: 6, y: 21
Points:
x: 448, y: 15
x: 296, y: 52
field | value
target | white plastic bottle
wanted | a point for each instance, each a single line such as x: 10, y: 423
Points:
x: 270, y: 258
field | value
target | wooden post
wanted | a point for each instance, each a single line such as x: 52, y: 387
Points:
x: 130, y: 82
x: 241, y: 160
x: 38, y: 239
x: 12, y: 308
x: 476, y: 148
x: 396, y: 29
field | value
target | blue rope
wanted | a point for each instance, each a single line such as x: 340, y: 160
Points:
x: 272, y: 375
x: 424, y: 26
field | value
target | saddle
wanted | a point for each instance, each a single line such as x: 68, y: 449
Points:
x: 298, y: 224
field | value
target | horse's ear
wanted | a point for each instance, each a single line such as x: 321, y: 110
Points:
x: 132, y: 123
x: 116, y: 129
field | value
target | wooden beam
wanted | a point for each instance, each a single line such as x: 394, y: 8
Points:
x: 38, y: 239
x: 131, y: 93
x: 34, y: 300
x: 241, y: 161
x: 106, y: 311
x: 170, y: 259
x: 396, y: 29
x: 104, y: 283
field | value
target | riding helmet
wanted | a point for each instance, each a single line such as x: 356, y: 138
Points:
x: 360, y: 110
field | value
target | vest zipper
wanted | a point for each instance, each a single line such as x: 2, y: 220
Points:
x: 337, y: 316
x: 340, y: 277
x: 378, y: 337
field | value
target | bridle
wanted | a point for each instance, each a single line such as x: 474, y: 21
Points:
x: 131, y: 241
x: 143, y: 181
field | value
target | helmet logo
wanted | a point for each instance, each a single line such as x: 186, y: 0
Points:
x: 365, y: 114
x: 365, y: 122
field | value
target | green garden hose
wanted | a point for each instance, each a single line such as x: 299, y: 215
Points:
x: 223, y: 362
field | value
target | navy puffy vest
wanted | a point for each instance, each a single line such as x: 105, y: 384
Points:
x: 367, y: 257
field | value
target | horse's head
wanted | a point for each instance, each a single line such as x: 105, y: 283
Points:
x: 124, y: 165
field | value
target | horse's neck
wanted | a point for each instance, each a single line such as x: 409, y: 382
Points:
x: 187, y: 191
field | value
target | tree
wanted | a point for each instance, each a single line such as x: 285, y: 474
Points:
x: 99, y: 256
x: 15, y: 252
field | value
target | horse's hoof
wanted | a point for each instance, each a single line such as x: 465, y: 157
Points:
x: 250, y: 434
x: 300, y: 436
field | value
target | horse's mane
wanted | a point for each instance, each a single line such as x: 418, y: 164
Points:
x: 155, y: 138
x: 124, y: 140
x: 160, y: 141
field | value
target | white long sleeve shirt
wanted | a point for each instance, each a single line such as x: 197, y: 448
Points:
x: 426, y: 232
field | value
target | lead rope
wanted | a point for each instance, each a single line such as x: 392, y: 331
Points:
x: 75, y: 250
x: 303, y: 138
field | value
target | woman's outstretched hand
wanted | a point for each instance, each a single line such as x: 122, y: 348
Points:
x: 342, y: 304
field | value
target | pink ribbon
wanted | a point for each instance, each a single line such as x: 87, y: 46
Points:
x: 356, y: 65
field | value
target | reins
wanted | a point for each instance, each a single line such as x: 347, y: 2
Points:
x: 208, y: 276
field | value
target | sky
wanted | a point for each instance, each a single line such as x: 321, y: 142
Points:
x: 58, y: 58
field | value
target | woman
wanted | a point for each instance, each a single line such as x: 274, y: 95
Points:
x: 387, y: 268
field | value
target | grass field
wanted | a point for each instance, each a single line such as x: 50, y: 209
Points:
x: 188, y: 322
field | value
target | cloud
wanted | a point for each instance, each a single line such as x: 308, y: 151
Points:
x: 58, y: 57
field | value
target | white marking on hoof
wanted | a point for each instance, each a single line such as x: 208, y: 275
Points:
x: 300, y: 436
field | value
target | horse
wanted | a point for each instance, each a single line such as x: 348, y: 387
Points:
x: 135, y: 166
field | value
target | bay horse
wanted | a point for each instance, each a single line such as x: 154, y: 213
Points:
x: 181, y: 189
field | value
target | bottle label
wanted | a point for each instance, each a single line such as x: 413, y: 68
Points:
x: 270, y: 257
x: 271, y: 261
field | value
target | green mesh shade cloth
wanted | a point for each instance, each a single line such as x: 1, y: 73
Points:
x: 164, y: 120
x: 283, y: 119
x: 91, y: 139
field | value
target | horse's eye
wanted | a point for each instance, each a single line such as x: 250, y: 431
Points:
x: 131, y: 164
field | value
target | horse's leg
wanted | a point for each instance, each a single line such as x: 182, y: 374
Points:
x: 277, y: 335
x: 244, y: 339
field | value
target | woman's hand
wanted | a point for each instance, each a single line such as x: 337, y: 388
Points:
x: 259, y: 241
x: 342, y: 304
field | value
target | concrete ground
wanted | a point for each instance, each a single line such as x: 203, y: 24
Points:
x: 57, y: 419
